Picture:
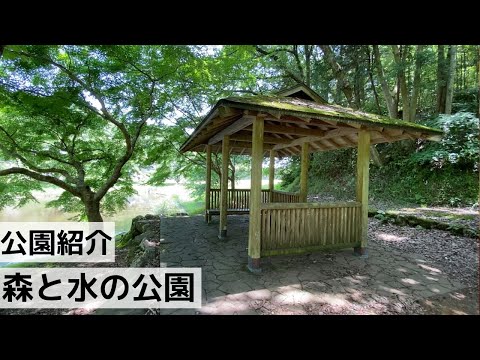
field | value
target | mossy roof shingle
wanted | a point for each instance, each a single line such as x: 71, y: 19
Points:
x: 300, y: 107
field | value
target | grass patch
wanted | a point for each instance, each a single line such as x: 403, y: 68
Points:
x: 400, y: 182
x: 30, y: 265
x: 176, y: 205
x: 193, y: 207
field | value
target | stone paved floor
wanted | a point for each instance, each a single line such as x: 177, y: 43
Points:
x: 334, y: 282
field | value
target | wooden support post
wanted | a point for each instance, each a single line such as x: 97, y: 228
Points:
x: 363, y: 161
x: 222, y: 234
x: 208, y: 182
x: 254, y: 234
x: 271, y: 175
x: 304, y: 173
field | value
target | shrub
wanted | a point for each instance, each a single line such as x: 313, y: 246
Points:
x: 459, y: 146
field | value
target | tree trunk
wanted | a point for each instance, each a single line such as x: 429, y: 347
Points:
x: 308, y: 54
x: 459, y: 72
x: 359, y: 62
x: 416, y: 83
x: 356, y: 79
x: 232, y: 180
x: 370, y: 76
x: 343, y: 84
x: 92, y: 208
x: 231, y: 177
x: 391, y: 105
x: 338, y: 93
x: 452, y: 58
x: 374, y: 154
x: 339, y: 74
x: 399, y: 55
x: 441, y: 80
x: 464, y: 69
x: 357, y: 87
x: 478, y: 80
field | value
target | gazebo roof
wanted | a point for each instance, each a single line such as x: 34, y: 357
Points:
x: 290, y: 121
x: 302, y: 91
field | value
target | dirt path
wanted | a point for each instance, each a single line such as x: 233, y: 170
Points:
x: 456, y: 256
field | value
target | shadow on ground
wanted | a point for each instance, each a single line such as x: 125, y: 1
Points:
x: 387, y: 282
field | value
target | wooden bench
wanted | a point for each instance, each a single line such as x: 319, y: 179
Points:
x: 211, y: 212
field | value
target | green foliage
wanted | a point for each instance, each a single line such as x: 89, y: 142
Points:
x: 404, y: 176
x: 410, y: 174
x: 465, y: 100
x: 51, y: 119
x: 230, y: 70
x: 400, y: 181
x: 459, y: 146
x: 289, y: 173
x: 17, y: 190
x: 73, y: 116
x: 68, y: 203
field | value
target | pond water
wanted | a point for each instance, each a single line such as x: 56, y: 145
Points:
x: 171, y: 198
x: 149, y: 200
x: 168, y: 199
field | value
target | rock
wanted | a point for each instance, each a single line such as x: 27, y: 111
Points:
x: 372, y: 212
x: 143, y: 240
x: 151, y: 252
x: 139, y: 226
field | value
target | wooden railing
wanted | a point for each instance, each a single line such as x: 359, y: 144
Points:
x: 306, y: 227
x: 238, y: 199
x: 284, y: 197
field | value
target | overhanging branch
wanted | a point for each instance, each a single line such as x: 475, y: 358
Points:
x: 40, y: 177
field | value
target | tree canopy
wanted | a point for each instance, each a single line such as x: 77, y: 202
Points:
x: 88, y: 119
x: 73, y: 116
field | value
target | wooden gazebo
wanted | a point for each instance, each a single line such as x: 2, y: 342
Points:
x: 296, y: 121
